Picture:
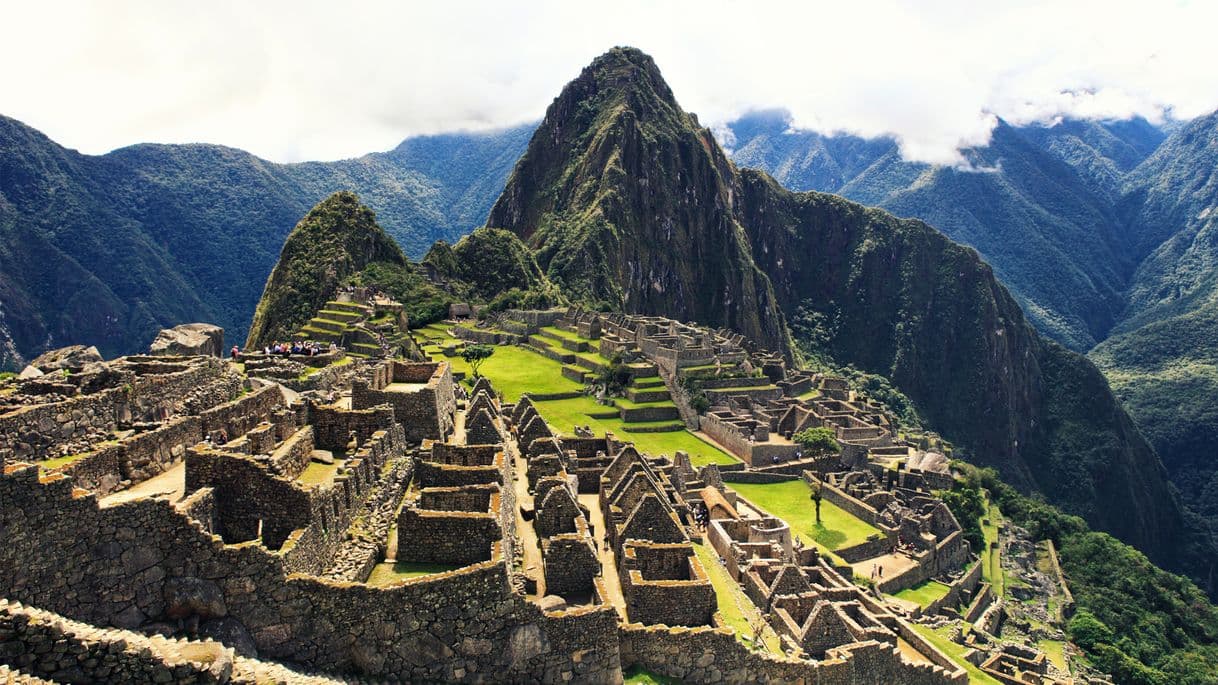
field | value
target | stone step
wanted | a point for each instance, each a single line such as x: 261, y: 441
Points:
x: 328, y: 325
x: 340, y: 315
x: 648, y: 394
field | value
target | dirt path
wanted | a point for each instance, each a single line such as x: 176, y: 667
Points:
x: 613, y: 583
x: 171, y: 483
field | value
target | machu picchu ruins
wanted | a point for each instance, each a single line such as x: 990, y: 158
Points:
x: 603, y: 499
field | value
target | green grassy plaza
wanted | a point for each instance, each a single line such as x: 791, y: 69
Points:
x: 924, y: 593
x: 791, y: 501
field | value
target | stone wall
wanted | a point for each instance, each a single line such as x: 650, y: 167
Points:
x: 333, y: 425
x: 446, y: 537
x: 462, y: 626
x: 67, y: 651
x: 713, y: 655
x: 250, y: 497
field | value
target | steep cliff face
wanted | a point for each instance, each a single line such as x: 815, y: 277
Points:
x: 627, y: 201
x: 336, y: 240
x: 899, y: 299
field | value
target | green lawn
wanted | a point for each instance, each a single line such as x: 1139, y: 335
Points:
x: 630, y: 404
x: 568, y: 335
x: 514, y: 371
x: 386, y: 573
x: 1055, y: 652
x: 737, y: 610
x: 317, y: 472
x: 924, y: 593
x: 955, y: 652
x: 59, y: 462
x: 991, y: 560
x: 791, y: 502
x: 564, y: 415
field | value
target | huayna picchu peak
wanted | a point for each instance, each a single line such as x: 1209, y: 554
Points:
x: 657, y: 418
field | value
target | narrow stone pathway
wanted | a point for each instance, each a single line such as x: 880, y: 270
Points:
x: 530, y: 546
x: 613, y: 583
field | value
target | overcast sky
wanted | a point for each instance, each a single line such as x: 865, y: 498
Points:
x: 297, y: 80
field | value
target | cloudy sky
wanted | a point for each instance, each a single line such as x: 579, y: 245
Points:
x: 297, y: 80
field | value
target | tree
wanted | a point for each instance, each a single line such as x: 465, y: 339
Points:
x: 816, y: 497
x: 817, y: 440
x: 474, y: 355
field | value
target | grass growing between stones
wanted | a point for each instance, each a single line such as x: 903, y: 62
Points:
x: 388, y: 573
x: 637, y: 676
x: 737, y: 610
x: 791, y: 502
x: 924, y: 593
x: 317, y: 473
x: 60, y: 462
x: 955, y: 652
x: 564, y: 415
x: 1055, y: 652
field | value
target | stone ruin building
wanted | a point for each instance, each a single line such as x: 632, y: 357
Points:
x: 197, y: 521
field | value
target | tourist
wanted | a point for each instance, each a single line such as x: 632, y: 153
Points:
x: 236, y: 352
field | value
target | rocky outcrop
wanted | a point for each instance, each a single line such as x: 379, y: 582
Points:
x: 70, y: 358
x: 189, y: 338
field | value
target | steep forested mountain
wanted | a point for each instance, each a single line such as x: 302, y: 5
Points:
x: 108, y: 249
x: 1163, y: 356
x: 1037, y: 203
x: 625, y: 198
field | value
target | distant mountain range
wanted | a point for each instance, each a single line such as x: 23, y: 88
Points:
x: 1102, y: 231
x: 108, y: 249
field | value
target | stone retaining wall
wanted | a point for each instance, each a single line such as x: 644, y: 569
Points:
x: 458, y: 627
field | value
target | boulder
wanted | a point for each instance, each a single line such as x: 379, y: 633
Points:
x: 188, y: 339
x: 73, y: 358
x: 232, y: 633
x: 29, y: 372
x: 190, y: 596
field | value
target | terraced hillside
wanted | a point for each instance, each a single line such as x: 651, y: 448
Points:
x: 554, y: 367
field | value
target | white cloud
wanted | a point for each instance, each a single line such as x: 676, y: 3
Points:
x: 296, y: 80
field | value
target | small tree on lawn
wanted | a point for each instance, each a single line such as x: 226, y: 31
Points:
x: 817, y: 441
x: 474, y: 355
x: 816, y: 497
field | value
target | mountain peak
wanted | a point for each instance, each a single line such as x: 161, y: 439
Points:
x: 335, y: 240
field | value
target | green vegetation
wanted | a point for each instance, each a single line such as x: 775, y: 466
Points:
x: 387, y: 573
x: 791, y: 502
x: 1142, y: 624
x: 334, y: 241
x: 424, y: 303
x: 737, y: 610
x: 317, y: 473
x: 495, y: 267
x: 924, y: 593
x: 60, y: 462
x: 564, y: 415
x: 637, y: 676
x: 940, y: 639
x: 817, y: 440
x: 475, y: 356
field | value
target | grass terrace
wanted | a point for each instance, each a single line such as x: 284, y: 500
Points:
x: 564, y: 415
x: 924, y: 593
x: 388, y: 573
x: 317, y: 473
x: 567, y: 335
x: 938, y: 637
x: 791, y: 501
x: 991, y: 558
x: 736, y: 609
x: 60, y: 462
